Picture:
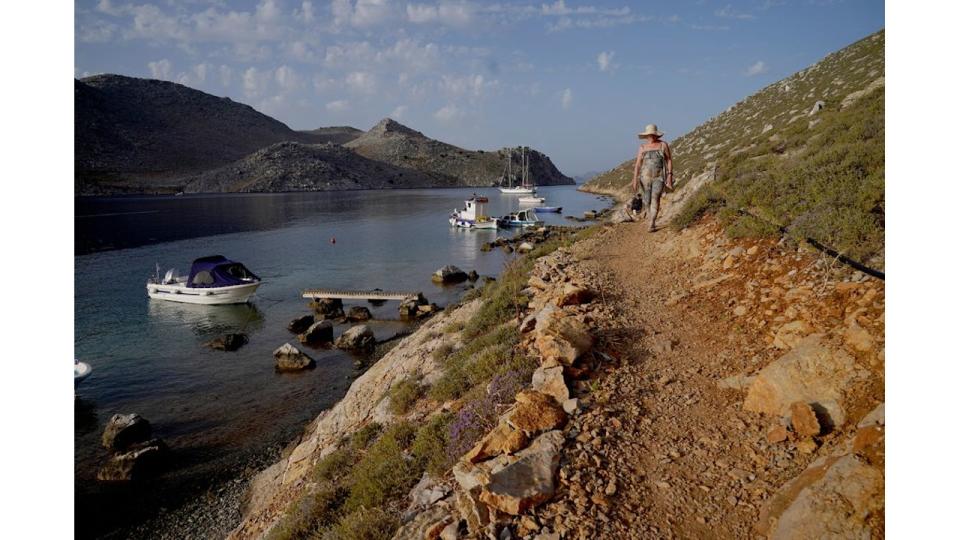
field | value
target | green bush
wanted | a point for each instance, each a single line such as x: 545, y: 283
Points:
x: 384, y: 473
x: 333, y: 465
x: 362, y: 438
x: 364, y: 524
x: 404, y: 393
x: 307, y: 516
x: 430, y: 445
x: 704, y: 200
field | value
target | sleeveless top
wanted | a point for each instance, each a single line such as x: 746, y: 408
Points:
x: 655, y: 163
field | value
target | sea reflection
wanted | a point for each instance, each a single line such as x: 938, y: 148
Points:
x: 205, y: 320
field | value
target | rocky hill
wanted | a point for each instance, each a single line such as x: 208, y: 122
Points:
x: 391, y: 142
x: 333, y: 134
x: 805, y: 154
x: 292, y: 166
x: 143, y: 135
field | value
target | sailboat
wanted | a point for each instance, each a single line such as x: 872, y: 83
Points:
x: 524, y: 188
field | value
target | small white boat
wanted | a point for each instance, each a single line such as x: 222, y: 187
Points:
x: 212, y: 280
x: 81, y: 370
x: 518, y: 190
x: 532, y: 199
x: 548, y: 209
x: 523, y: 218
x: 472, y: 216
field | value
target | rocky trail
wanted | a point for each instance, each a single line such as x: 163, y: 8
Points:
x: 665, y: 446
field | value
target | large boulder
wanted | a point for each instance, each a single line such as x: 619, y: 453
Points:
x: 536, y: 412
x: 359, y: 314
x: 574, y: 294
x: 528, y: 480
x: 290, y: 358
x: 300, y: 324
x: 124, y: 430
x: 229, y: 342
x: 358, y: 338
x: 328, y: 308
x: 449, y: 274
x: 410, y: 306
x: 137, y: 462
x: 549, y: 380
x: 813, y: 372
x: 562, y: 338
x: 318, y: 332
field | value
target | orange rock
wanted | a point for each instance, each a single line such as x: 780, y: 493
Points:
x: 804, y: 420
x: 777, y: 434
x: 502, y: 439
x: 536, y: 412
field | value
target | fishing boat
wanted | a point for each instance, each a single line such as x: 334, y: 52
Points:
x: 81, y: 370
x: 212, y: 280
x: 472, y: 216
x: 548, y: 209
x: 525, y: 187
x: 523, y: 218
x: 532, y: 199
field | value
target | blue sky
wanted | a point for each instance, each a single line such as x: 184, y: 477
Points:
x: 574, y: 79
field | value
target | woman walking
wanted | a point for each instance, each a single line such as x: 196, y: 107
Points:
x: 654, y: 168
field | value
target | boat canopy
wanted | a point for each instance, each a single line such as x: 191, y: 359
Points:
x: 218, y: 271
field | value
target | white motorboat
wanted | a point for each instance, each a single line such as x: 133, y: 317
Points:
x: 212, y: 280
x: 81, y: 370
x: 472, y: 215
x: 523, y: 218
x: 548, y: 209
x: 532, y: 199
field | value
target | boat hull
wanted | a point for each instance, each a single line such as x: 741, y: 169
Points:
x: 516, y: 190
x: 179, y: 292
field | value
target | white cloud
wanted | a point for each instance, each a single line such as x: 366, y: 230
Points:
x: 361, y: 82
x: 727, y: 12
x: 200, y: 71
x: 757, y: 68
x: 605, y: 61
x: 287, y: 79
x: 448, y: 13
x: 362, y: 13
x: 160, y: 69
x: 399, y: 112
x: 339, y: 105
x: 96, y: 31
x: 226, y: 75
x: 566, y: 98
x: 473, y: 85
x: 256, y: 82
x: 560, y: 8
x: 448, y: 113
x: 305, y: 13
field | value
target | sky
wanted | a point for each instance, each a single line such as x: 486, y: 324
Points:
x: 576, y: 80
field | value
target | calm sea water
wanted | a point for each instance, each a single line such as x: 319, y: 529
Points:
x: 214, y: 408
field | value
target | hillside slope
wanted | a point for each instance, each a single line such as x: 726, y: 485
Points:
x: 392, y: 142
x: 142, y: 134
x: 332, y: 134
x: 805, y: 153
x: 292, y: 166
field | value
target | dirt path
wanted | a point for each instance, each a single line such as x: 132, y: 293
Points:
x: 661, y: 449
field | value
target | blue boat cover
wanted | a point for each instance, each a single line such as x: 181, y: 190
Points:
x: 218, y: 271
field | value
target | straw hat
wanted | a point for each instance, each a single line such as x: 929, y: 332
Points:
x: 651, y: 129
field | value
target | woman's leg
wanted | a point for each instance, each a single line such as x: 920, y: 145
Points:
x: 656, y: 191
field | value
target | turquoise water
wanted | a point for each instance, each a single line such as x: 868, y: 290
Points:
x: 214, y: 408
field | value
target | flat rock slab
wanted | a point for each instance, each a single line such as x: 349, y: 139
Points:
x: 813, y: 372
x: 527, y: 481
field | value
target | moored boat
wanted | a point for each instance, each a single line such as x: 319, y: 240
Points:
x: 525, y: 186
x: 548, y: 209
x: 81, y: 370
x: 532, y: 199
x: 212, y: 280
x: 523, y: 218
x: 472, y: 215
